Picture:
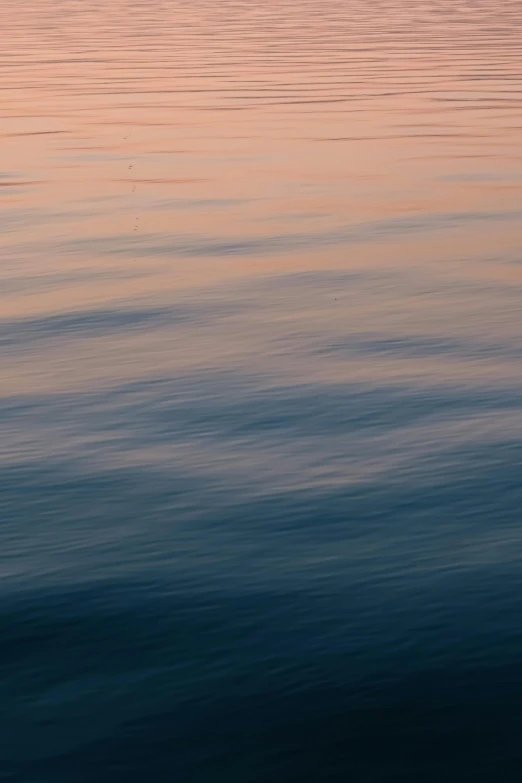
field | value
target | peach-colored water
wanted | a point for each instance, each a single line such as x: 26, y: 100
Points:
x: 165, y: 151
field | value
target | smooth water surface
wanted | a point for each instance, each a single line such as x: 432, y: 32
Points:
x: 261, y: 391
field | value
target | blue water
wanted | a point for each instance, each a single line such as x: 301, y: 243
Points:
x: 260, y: 392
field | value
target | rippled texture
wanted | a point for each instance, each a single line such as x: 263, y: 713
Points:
x: 261, y: 399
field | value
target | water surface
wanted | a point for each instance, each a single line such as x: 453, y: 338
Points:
x: 261, y: 399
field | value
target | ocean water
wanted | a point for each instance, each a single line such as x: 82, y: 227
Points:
x: 260, y: 391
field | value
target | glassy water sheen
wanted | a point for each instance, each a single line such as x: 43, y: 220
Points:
x: 261, y: 391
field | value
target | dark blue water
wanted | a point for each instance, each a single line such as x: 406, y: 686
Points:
x: 261, y: 397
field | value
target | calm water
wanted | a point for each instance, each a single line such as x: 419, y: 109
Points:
x: 261, y: 396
